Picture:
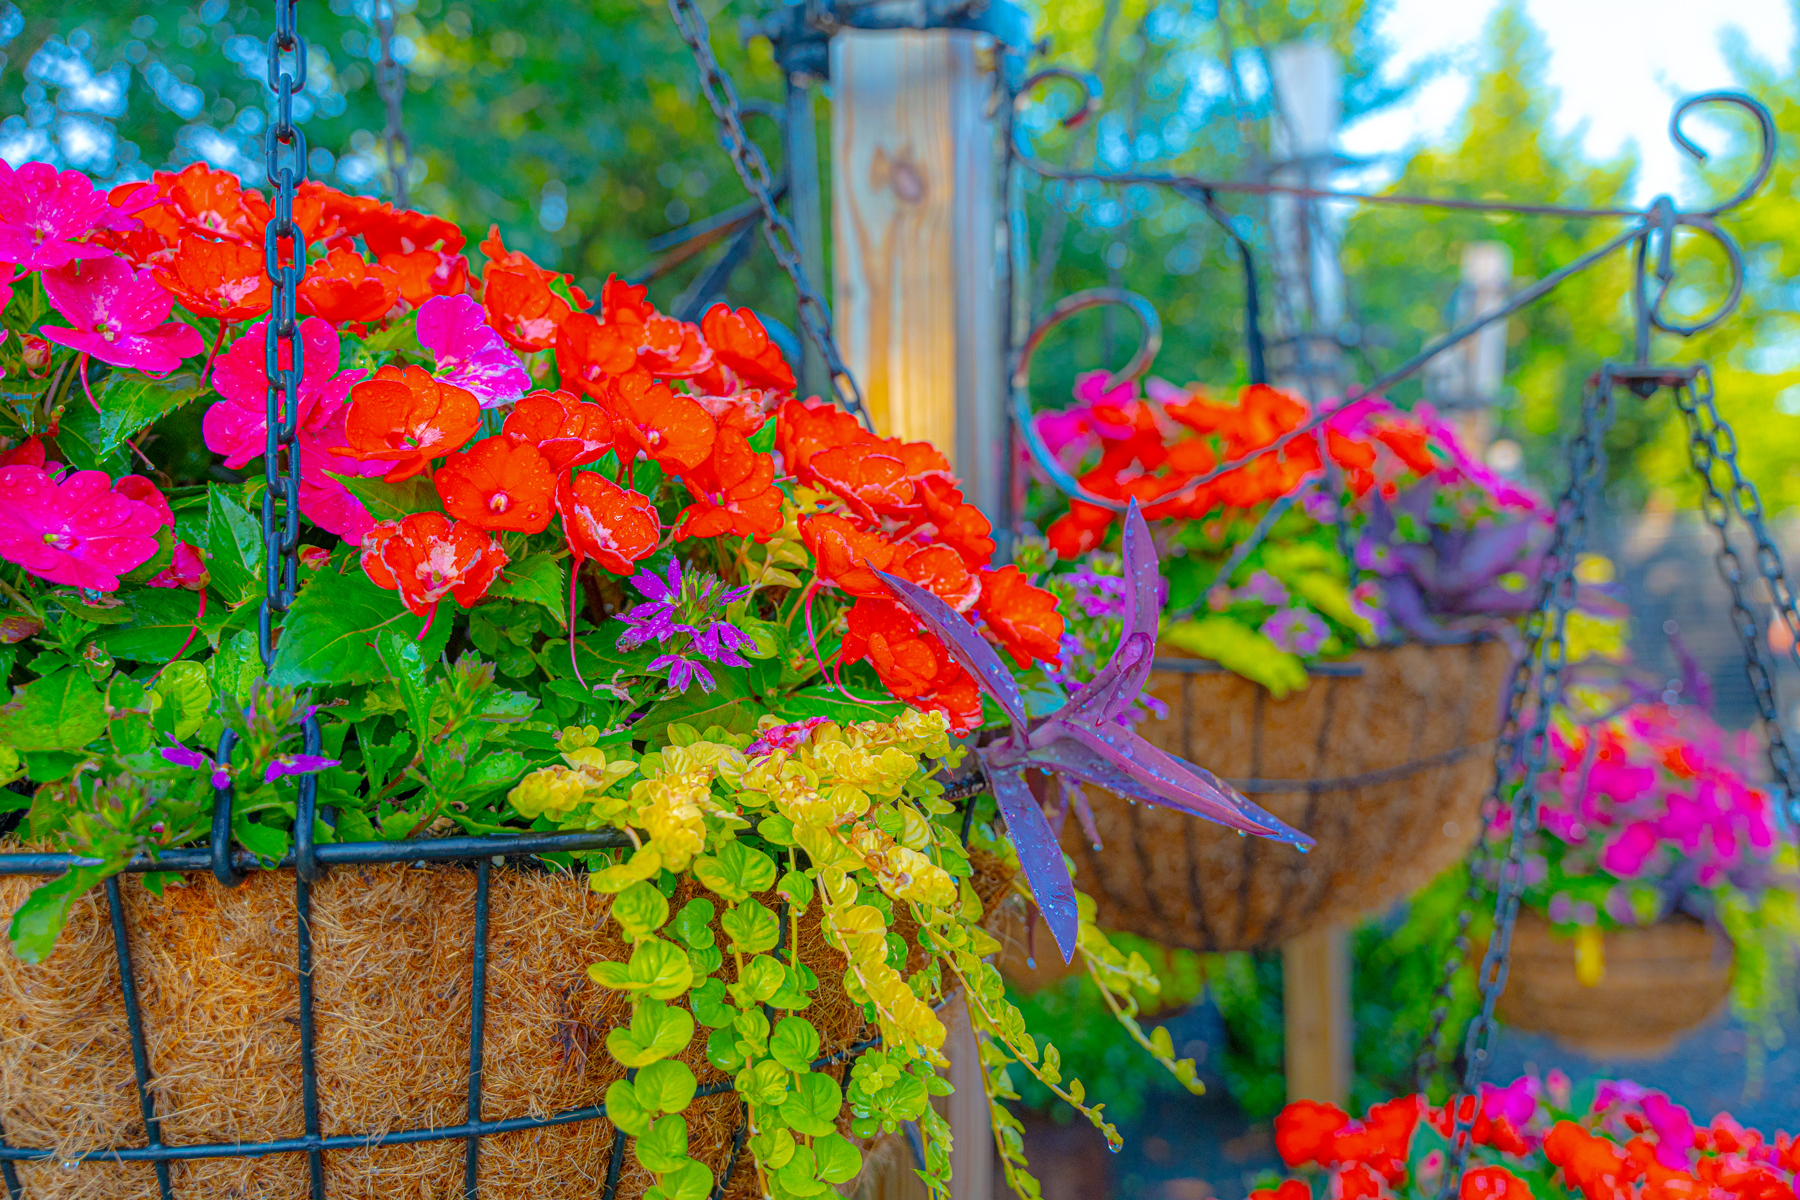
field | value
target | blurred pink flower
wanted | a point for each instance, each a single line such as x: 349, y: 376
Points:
x: 1090, y: 388
x: 1674, y: 1127
x: 1630, y: 850
x: 469, y: 353
x: 79, y: 531
x: 44, y: 214
x: 120, y: 316
x: 1517, y: 1101
x: 235, y: 426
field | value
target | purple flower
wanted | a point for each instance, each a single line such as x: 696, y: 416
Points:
x: 181, y: 756
x: 784, y: 737
x: 647, y: 621
x: 652, y: 586
x: 296, y: 764
x: 721, y: 642
x: 1296, y: 630
x: 1266, y: 588
x: 684, y: 672
x: 469, y: 353
x: 1319, y: 507
x: 1375, y: 556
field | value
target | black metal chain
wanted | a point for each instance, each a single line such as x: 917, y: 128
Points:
x: 1712, y: 443
x: 284, y: 258
x: 1528, y: 751
x: 390, y: 83
x: 753, y: 169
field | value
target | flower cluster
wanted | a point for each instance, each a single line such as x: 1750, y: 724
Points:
x: 691, y: 611
x: 883, y: 505
x: 1532, y: 1137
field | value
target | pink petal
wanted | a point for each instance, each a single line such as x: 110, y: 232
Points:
x: 107, y: 294
x: 469, y: 353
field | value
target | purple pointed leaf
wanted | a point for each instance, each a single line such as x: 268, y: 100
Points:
x: 1143, y: 578
x: 1116, y: 758
x: 1084, y: 812
x: 1039, y: 854
x: 966, y: 646
x: 1484, y: 554
x: 1118, y: 684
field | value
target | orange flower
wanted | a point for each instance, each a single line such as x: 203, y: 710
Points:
x: 739, y: 341
x: 869, y: 476
x: 1590, y: 1163
x: 1357, y: 1181
x: 1290, y: 1189
x: 427, y: 273
x: 1022, y: 617
x: 591, y: 353
x: 215, y: 204
x: 912, y: 664
x: 221, y: 280
x: 734, y: 493
x: 428, y: 558
x: 803, y: 430
x: 1492, y: 1183
x: 847, y: 554
x: 520, y: 303
x: 406, y: 417
x: 331, y: 218
x: 604, y: 522
x: 942, y: 572
x: 953, y: 522
x: 1411, y: 443
x: 674, y: 430
x: 567, y: 431
x: 498, y: 483
x: 342, y: 287
x: 402, y: 231
x: 1305, y: 1131
x: 665, y: 347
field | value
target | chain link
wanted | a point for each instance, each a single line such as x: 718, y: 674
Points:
x: 1526, y: 752
x: 1712, y: 443
x: 284, y: 258
x: 753, y: 169
x: 390, y: 83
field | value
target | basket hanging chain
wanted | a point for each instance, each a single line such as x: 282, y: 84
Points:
x: 1526, y: 752
x: 1712, y: 443
x: 390, y: 82
x: 753, y: 169
x: 284, y: 258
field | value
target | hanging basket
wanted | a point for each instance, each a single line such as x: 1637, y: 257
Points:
x: 393, y: 954
x: 1659, y: 982
x: 1385, y: 761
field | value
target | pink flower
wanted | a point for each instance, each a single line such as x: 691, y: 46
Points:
x: 43, y: 215
x: 1296, y: 630
x: 121, y: 316
x: 1090, y: 388
x: 8, y: 273
x: 470, y: 354
x: 1516, y: 1102
x: 80, y: 532
x: 186, y: 570
x: 1628, y: 852
x: 1674, y: 1127
x: 235, y: 427
x: 325, y: 501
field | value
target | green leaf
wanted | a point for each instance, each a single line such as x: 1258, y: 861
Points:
x: 797, y: 887
x: 162, y: 620
x: 128, y: 404
x: 184, y: 699
x: 640, y: 910
x: 264, y: 841
x: 762, y: 978
x: 40, y: 919
x: 234, y: 546
x: 1239, y: 648
x: 751, y: 927
x: 664, y: 1148
x: 732, y: 706
x: 392, y: 501
x: 693, y: 924
x: 736, y: 871
x: 406, y: 668
x: 657, y: 970
x: 62, y: 711
x: 657, y: 1031
x: 838, y: 1160
x: 723, y: 1051
x: 666, y: 1086
x: 800, y: 1176
x: 536, y: 579
x: 623, y: 1109
x: 773, y: 1148
x: 235, y: 667
x: 829, y: 702
x: 812, y: 1107
x: 794, y: 1044
x: 80, y: 442
x: 329, y: 634
x: 708, y: 1004
x: 690, y: 1181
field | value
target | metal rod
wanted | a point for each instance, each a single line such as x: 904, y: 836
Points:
x: 309, y: 1069
x: 1206, y: 666
x: 334, y: 854
x: 477, y: 1028
x: 134, y: 1024
x: 807, y: 210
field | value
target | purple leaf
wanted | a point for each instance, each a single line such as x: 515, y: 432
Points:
x: 1039, y: 854
x: 1118, y: 683
x: 1695, y: 682
x: 1143, y: 579
x: 966, y: 646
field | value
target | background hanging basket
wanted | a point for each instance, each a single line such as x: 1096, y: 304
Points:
x: 393, y: 959
x: 1659, y: 982
x: 1387, y: 768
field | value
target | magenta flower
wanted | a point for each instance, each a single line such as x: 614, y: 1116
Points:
x: 790, y: 736
x: 235, y: 428
x: 1296, y: 630
x: 294, y: 764
x: 1266, y: 588
x: 8, y: 273
x: 79, y: 532
x: 187, y: 569
x: 181, y: 756
x: 120, y: 316
x: 44, y: 215
x: 470, y: 354
x: 1629, y: 851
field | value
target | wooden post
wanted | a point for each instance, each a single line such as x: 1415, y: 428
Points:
x: 1466, y: 381
x: 1315, y: 985
x: 916, y: 242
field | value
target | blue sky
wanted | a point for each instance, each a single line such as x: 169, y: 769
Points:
x: 1617, y: 64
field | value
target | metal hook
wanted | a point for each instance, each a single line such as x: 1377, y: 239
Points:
x: 1092, y: 91
x: 1067, y: 307
x: 1765, y: 127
